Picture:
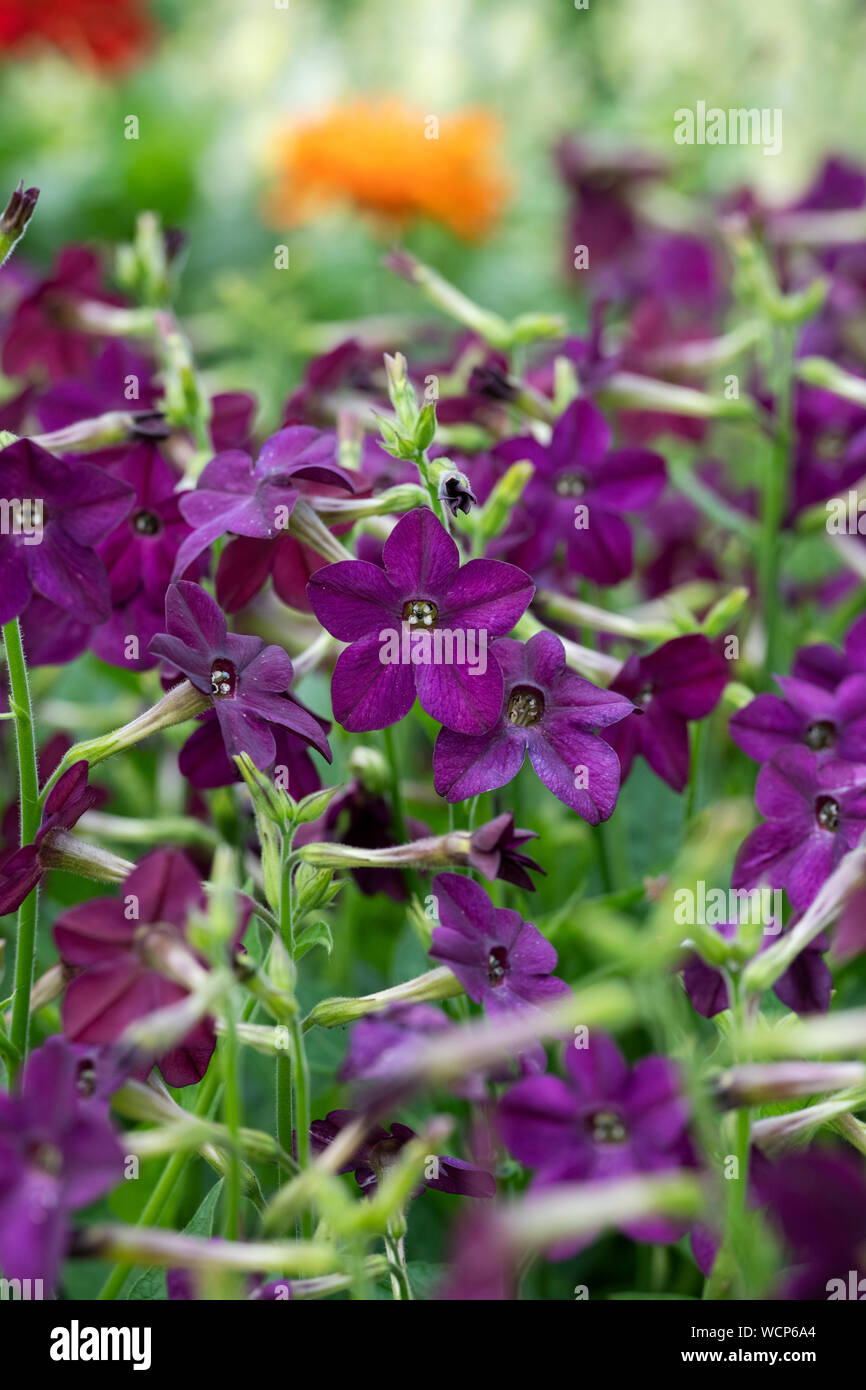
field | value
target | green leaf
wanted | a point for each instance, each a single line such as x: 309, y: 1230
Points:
x: 316, y: 934
x: 151, y: 1286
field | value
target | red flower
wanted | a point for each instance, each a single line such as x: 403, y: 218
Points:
x: 105, y: 33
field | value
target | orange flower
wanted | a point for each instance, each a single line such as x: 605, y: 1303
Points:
x: 393, y: 161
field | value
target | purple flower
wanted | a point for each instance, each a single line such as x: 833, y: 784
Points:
x: 805, y: 987
x: 682, y: 680
x: 58, y: 1152
x: 827, y: 721
x: 43, y: 333
x: 246, y: 679
x: 578, y: 492
x: 501, y: 961
x: 114, y: 984
x: 139, y: 556
x: 103, y: 387
x: 65, y: 804
x: 385, y: 1042
x: 550, y: 712
x: 496, y: 851
x: 816, y: 812
x: 255, y: 500
x: 204, y: 762
x: 381, y: 1149
x: 420, y: 597
x: 605, y: 1120
x: 817, y: 1202
x: 76, y: 506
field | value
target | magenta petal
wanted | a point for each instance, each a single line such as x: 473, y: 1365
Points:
x: 464, y: 698
x: 194, y: 617
x: 599, y: 1070
x: 536, y: 1119
x: 664, y: 742
x: 688, y: 674
x: 15, y: 585
x: 353, y: 599
x: 244, y: 731
x: 420, y: 557
x: 70, y: 575
x: 764, y: 726
x: 603, y: 550
x: 487, y: 595
x: 278, y: 709
x: 581, y: 770
x: 465, y: 765
x: 581, y: 437
x: 167, y: 885
x: 628, y: 480
x: 367, y: 693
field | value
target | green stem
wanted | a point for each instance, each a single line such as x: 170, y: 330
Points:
x: 694, y: 771
x: 232, y: 1118
x: 168, y: 1180
x: 28, y: 784
x: 398, y: 810
x: 775, y: 500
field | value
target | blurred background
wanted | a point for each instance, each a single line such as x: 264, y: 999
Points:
x: 217, y: 90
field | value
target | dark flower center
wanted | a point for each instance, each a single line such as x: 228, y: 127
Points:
x: 570, y: 485
x: 827, y: 813
x: 525, y: 706
x: 223, y: 679
x: 146, y: 523
x: 48, y: 1158
x: 420, y: 612
x: 644, y: 695
x: 606, y: 1127
x: 86, y: 1079
x: 820, y: 735
x: 497, y: 965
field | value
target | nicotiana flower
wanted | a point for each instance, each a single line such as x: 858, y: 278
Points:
x: 246, y: 680
x: 805, y: 986
x: 381, y: 1149
x: 605, y: 1120
x: 65, y: 804
x: 103, y: 387
x: 383, y: 1043
x: 235, y: 496
x: 67, y: 508
x: 681, y: 680
x: 832, y: 722
x: 422, y: 599
x: 823, y: 665
x: 817, y: 1202
x: 578, y: 492
x: 107, y: 941
x: 816, y: 812
x: 43, y: 336
x: 58, y: 1152
x: 204, y: 761
x: 139, y: 556
x: 550, y: 712
x: 501, y: 961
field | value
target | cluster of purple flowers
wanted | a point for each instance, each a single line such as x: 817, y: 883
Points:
x: 208, y: 551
